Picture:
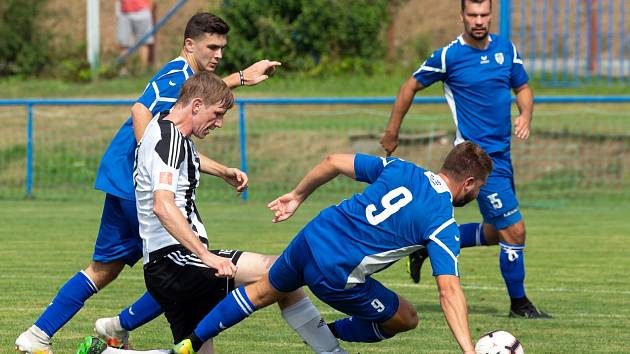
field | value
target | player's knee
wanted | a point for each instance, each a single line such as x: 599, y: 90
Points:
x: 411, y: 320
x: 513, y: 234
x: 103, y: 273
x: 408, y: 316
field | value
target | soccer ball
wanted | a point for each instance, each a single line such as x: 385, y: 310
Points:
x: 498, y: 342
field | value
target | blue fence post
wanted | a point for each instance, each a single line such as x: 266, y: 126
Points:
x: 622, y: 34
x: 29, y: 150
x: 241, y: 112
x: 543, y: 43
x: 576, y: 69
x: 554, y: 44
x: 565, y: 43
x: 505, y: 18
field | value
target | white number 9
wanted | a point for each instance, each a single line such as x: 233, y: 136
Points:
x: 390, y: 209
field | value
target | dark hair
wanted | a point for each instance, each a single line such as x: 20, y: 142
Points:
x: 476, y: 2
x: 209, y: 88
x: 205, y: 22
x: 467, y: 160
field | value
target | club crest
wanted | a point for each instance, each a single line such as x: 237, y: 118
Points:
x: 499, y: 58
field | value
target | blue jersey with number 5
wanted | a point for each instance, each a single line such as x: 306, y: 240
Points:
x: 403, y: 208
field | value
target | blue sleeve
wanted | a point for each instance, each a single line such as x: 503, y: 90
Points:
x: 162, y: 92
x: 518, y: 76
x: 367, y: 168
x: 443, y: 249
x: 432, y: 70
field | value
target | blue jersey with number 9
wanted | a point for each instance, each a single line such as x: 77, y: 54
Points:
x: 404, y: 207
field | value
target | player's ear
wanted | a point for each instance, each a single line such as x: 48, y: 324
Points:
x: 196, y: 105
x: 189, y: 44
x: 469, y: 184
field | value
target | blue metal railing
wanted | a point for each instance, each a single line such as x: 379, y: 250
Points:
x: 570, y: 42
x: 243, y: 102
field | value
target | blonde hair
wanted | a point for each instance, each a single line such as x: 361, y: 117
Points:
x: 209, y: 88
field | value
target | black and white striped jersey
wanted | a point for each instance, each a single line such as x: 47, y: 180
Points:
x: 165, y: 160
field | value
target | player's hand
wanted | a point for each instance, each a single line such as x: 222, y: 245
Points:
x: 225, y: 268
x: 259, y: 71
x: 521, y: 127
x: 389, y: 142
x: 284, y: 206
x: 236, y: 178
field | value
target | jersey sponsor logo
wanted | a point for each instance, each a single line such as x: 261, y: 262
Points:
x: 499, y: 58
x: 171, y: 83
x: 484, y: 59
x: 166, y: 178
x: 505, y: 215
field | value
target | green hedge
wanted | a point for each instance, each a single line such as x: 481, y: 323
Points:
x: 316, y: 37
x: 24, y: 45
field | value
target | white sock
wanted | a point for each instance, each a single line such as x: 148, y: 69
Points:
x: 306, y: 320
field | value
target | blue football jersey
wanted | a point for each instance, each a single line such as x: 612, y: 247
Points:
x: 115, y: 173
x: 477, y: 85
x: 403, y: 208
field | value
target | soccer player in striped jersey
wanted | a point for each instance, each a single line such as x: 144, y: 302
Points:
x: 118, y: 242
x: 479, y: 70
x: 180, y: 272
x: 404, y: 208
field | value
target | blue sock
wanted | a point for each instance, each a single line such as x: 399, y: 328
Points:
x: 472, y: 235
x: 352, y: 329
x: 69, y: 300
x: 140, y: 312
x: 513, y: 268
x: 230, y: 311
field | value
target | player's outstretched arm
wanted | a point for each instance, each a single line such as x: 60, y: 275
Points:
x: 233, y: 176
x: 327, y: 169
x: 389, y: 140
x: 253, y: 75
x: 453, y: 303
x: 174, y: 222
x: 525, y: 104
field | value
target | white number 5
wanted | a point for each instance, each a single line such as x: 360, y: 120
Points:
x: 390, y: 208
x: 495, y: 201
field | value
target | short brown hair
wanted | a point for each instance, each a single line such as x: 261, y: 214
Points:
x: 467, y: 160
x: 476, y: 2
x: 205, y: 22
x: 209, y: 88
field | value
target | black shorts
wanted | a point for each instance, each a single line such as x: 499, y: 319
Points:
x: 186, y: 289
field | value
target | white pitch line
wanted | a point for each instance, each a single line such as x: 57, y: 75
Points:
x: 529, y: 288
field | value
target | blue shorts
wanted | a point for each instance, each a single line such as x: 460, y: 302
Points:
x: 296, y: 267
x: 497, y: 199
x: 118, y: 236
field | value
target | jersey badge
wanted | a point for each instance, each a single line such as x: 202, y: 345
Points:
x: 166, y: 178
x: 484, y: 59
x: 499, y: 58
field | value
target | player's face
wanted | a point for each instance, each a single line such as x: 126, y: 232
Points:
x: 208, y: 118
x: 207, y: 50
x: 477, y: 18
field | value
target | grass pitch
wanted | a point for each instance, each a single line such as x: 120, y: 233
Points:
x: 576, y: 258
